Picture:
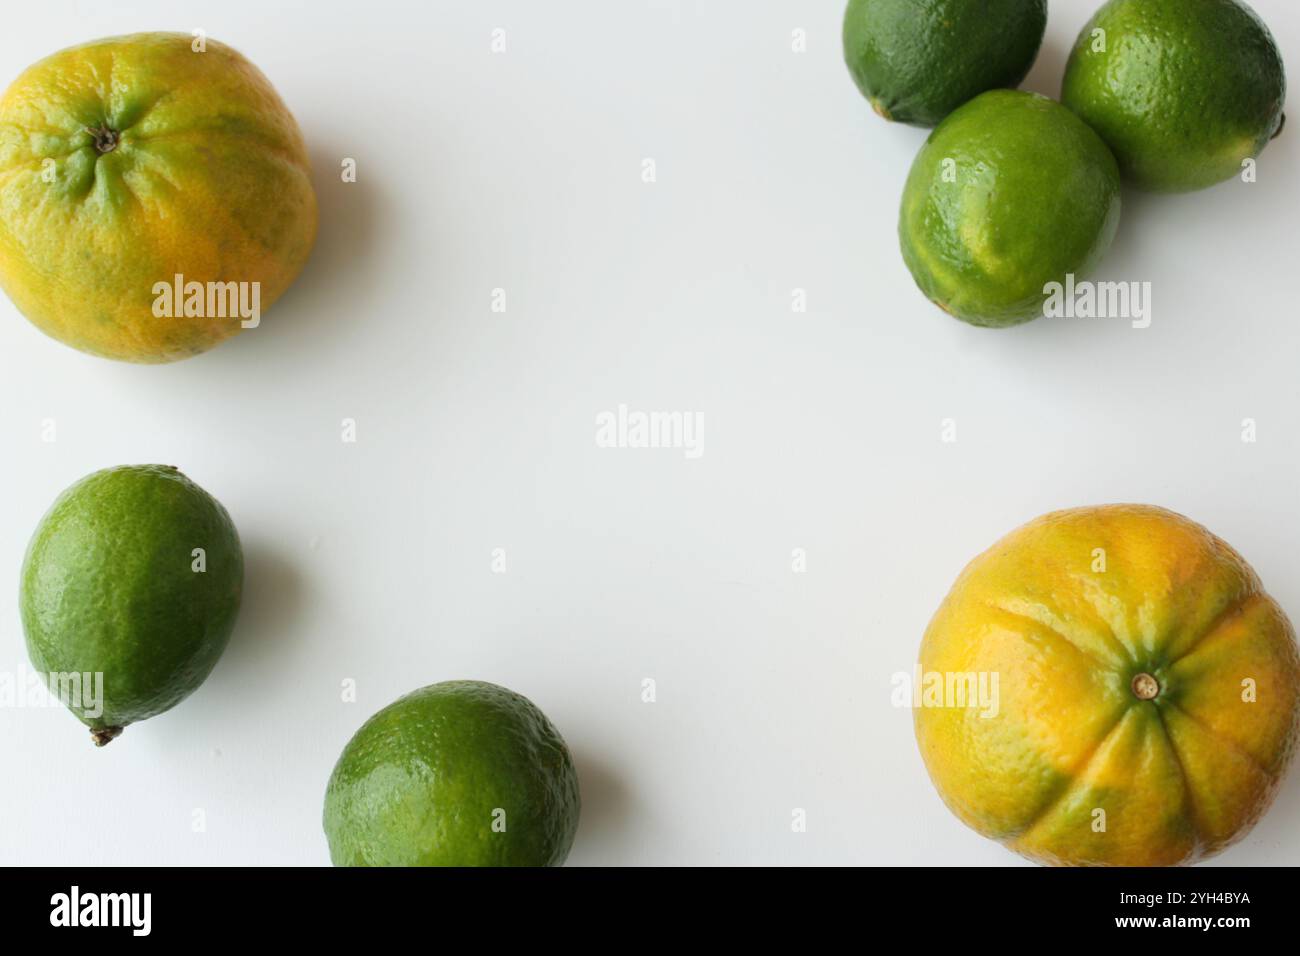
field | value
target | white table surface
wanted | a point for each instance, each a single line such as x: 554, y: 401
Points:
x: 522, y: 170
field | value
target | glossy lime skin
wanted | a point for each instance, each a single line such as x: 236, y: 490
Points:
x: 918, y: 60
x: 1010, y: 192
x: 109, y: 585
x: 1185, y: 91
x: 423, y: 782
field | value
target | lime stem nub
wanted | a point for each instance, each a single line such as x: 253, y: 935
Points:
x: 102, y: 735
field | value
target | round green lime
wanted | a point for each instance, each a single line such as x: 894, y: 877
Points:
x: 1183, y: 91
x: 918, y: 60
x: 1010, y: 193
x: 462, y: 773
x: 132, y: 583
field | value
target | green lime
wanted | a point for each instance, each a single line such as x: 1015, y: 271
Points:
x: 1183, y: 91
x: 131, y: 585
x: 462, y: 773
x: 918, y: 60
x: 1011, y: 192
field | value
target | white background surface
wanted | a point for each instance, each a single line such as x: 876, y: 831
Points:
x: 372, y: 561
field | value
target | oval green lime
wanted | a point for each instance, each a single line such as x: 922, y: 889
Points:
x: 918, y: 60
x: 1185, y: 92
x: 1010, y: 192
x: 462, y: 773
x: 135, y: 575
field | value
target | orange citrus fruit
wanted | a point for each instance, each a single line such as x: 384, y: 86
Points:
x: 137, y: 167
x: 1138, y: 692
